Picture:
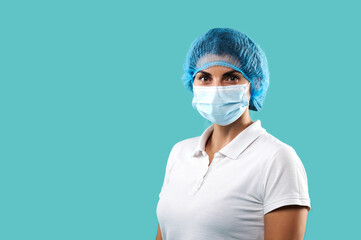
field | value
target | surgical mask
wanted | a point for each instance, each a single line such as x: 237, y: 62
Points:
x: 221, y: 105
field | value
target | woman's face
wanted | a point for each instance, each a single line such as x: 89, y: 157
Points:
x: 220, y: 76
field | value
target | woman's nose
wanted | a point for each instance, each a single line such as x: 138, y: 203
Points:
x: 217, y: 82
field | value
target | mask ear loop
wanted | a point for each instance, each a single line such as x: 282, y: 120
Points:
x: 245, y: 97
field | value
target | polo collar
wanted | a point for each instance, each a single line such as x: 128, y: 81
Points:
x: 234, y: 148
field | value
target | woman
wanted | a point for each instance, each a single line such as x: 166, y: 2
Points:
x: 235, y: 181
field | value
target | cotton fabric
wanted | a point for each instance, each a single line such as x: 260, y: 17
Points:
x: 252, y: 175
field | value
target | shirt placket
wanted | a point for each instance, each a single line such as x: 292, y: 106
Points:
x: 204, y: 171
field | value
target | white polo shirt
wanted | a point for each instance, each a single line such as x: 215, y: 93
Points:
x: 252, y: 175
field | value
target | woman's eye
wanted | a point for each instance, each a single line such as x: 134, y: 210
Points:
x: 233, y: 78
x: 204, y: 79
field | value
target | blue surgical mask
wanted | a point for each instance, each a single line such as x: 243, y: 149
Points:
x: 221, y: 105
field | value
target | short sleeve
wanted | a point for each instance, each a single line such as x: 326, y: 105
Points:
x: 168, y: 168
x: 285, y: 181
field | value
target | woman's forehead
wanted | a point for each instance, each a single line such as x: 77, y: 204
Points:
x: 218, y: 69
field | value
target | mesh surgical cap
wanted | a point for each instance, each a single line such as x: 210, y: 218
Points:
x: 229, y: 48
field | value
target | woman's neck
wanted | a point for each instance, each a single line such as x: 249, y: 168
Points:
x: 222, y: 135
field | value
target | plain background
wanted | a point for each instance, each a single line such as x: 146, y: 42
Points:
x: 91, y: 103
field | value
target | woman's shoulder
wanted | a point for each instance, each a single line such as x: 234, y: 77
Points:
x: 272, y: 144
x: 278, y: 154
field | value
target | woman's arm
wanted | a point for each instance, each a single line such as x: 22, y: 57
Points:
x: 286, y: 223
x: 159, y: 234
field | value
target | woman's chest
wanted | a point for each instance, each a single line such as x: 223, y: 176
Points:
x: 224, y: 184
x: 224, y: 197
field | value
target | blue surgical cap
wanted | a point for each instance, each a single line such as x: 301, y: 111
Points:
x: 229, y: 48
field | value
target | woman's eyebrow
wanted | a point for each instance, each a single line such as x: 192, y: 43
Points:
x: 224, y: 74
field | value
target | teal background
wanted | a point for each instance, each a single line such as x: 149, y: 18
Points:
x: 91, y: 103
